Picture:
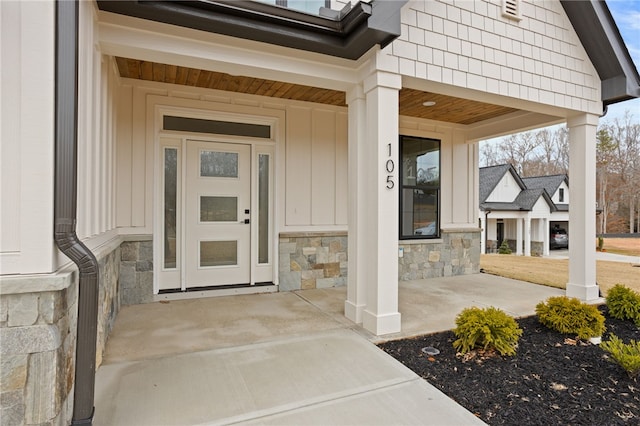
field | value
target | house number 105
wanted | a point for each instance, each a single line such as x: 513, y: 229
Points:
x: 390, y: 167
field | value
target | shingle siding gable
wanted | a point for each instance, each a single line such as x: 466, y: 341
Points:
x: 470, y: 44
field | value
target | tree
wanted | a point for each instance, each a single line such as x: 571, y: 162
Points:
x: 546, y: 152
x: 606, y: 147
x: 626, y: 135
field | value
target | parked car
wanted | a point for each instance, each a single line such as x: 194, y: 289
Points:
x: 429, y: 230
x: 558, y: 238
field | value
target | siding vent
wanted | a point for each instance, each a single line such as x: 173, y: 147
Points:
x: 511, y: 9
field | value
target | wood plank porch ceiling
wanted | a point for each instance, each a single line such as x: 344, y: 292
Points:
x: 447, y: 108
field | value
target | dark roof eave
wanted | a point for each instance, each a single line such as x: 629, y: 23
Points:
x: 499, y: 206
x: 602, y: 41
x: 349, y: 35
x: 550, y: 203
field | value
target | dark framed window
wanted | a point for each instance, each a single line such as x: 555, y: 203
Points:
x: 561, y: 195
x: 420, y: 188
x: 309, y: 6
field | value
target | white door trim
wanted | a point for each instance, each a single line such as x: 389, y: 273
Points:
x: 259, y: 146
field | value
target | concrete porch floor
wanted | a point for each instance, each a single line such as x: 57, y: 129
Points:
x: 285, y: 358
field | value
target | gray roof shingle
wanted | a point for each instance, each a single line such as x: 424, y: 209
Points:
x: 489, y: 178
x: 532, y: 189
x: 549, y: 183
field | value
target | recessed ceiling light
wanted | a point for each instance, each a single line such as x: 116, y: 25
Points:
x: 428, y: 103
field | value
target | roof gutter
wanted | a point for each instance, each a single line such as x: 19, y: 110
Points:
x: 349, y: 34
x: 66, y: 153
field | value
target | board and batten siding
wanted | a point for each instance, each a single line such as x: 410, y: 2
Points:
x: 27, y: 134
x: 27, y: 130
x: 312, y: 153
x: 97, y: 130
x: 316, y: 177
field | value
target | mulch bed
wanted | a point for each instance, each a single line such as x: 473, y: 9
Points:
x: 552, y: 380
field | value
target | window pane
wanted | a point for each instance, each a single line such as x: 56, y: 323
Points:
x: 419, y: 212
x: 170, y: 205
x: 219, y: 164
x: 420, y: 162
x: 309, y: 6
x: 263, y: 208
x: 218, y: 209
x: 218, y: 253
x: 420, y: 194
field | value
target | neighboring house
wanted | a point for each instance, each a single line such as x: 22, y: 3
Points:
x: 231, y: 147
x: 521, y: 211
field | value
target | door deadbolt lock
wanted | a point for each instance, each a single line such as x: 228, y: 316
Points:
x: 246, y: 221
x: 246, y: 211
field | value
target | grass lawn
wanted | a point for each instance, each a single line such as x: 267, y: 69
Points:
x: 626, y: 246
x: 555, y: 272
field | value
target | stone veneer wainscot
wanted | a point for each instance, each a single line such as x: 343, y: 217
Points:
x: 457, y: 252
x: 312, y: 260
x: 319, y: 260
x: 38, y: 317
x: 136, y: 272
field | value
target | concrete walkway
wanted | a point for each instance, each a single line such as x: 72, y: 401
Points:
x: 285, y: 358
x: 611, y: 257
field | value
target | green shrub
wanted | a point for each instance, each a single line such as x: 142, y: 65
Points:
x: 489, y: 328
x: 571, y: 316
x: 504, y: 248
x: 626, y: 355
x: 624, y: 304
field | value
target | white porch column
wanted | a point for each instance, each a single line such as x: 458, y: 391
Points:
x: 527, y: 236
x: 357, y: 236
x: 519, y: 236
x: 483, y: 233
x: 582, y: 215
x: 380, y: 252
x: 545, y: 237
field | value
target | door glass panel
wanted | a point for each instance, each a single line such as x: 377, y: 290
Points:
x: 218, y: 253
x: 170, y: 206
x: 219, y: 164
x: 263, y: 208
x: 218, y: 209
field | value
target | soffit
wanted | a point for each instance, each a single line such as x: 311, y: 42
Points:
x: 447, y: 108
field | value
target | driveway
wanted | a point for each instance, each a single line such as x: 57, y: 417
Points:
x: 611, y: 257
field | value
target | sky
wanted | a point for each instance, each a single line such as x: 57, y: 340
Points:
x: 626, y: 13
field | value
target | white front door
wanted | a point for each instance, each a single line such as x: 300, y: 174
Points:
x: 217, y: 214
